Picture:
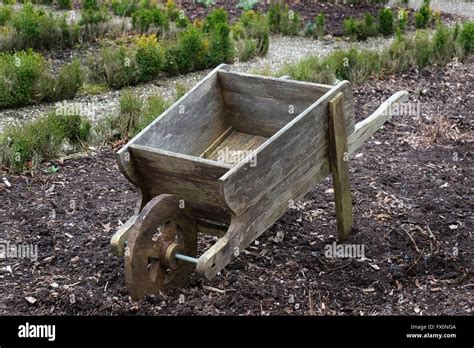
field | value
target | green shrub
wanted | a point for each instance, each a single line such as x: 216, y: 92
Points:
x: 350, y: 27
x: 360, y: 30
x: 354, y: 65
x: 149, y: 57
x: 91, y: 17
x: 254, y: 31
x: 5, y: 14
x: 182, y: 21
x: 21, y: 76
x: 116, y: 67
x: 28, y: 23
x: 191, y: 53
x: 180, y: 89
x: 386, y: 21
x: 134, y: 115
x: 221, y: 49
x: 64, y: 4
x: 91, y: 5
x: 319, y: 25
x: 214, y: 19
x: 310, y: 69
x: 42, y: 139
x: 25, y: 79
x: 398, y: 57
x: 144, y: 19
x: 274, y: 18
x: 290, y: 22
x: 283, y: 20
x: 418, y: 50
x: 402, y: 20
x: 172, y: 10
x: 369, y: 25
x: 124, y: 7
x: 68, y: 81
x: 423, y: 15
x: 466, y: 37
x: 444, y: 47
x: 422, y: 49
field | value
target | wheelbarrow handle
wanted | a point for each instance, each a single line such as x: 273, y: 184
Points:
x: 366, y: 128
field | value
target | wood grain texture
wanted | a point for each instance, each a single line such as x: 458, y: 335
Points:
x: 192, y: 125
x: 271, y: 87
x: 263, y: 105
x: 193, y: 179
x: 178, y: 164
x: 339, y: 158
x: 303, y: 139
x: 260, y: 115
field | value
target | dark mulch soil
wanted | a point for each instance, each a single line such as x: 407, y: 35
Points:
x: 412, y: 191
x: 334, y: 13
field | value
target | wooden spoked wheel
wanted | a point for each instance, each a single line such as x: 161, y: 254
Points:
x: 162, y: 229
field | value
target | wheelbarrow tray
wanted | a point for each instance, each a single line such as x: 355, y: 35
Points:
x: 283, y: 127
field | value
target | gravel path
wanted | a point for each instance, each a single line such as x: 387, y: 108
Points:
x: 282, y: 49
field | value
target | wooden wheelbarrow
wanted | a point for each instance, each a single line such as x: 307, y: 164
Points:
x: 228, y: 159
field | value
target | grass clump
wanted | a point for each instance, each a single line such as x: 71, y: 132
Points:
x: 135, y: 113
x: 420, y: 50
x: 283, y: 20
x: 25, y: 79
x: 22, y: 147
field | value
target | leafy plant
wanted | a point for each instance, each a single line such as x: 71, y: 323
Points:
x: 143, y: 19
x: 319, y: 25
x: 402, y: 20
x: 215, y: 18
x: 5, y: 14
x: 386, y: 21
x: 221, y: 49
x: 124, y: 7
x: 423, y: 15
x: 149, y: 57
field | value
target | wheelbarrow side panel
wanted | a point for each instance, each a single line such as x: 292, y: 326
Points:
x: 263, y: 105
x: 193, y: 179
x: 303, y: 140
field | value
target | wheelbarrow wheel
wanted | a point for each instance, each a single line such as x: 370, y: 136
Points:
x: 162, y: 229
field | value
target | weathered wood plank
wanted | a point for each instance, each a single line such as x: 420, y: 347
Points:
x: 271, y: 87
x: 199, y: 87
x: 366, y: 128
x: 261, y: 116
x: 306, y: 135
x: 339, y: 157
x: 216, y: 143
x: 178, y: 164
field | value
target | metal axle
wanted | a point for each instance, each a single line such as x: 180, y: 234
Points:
x: 186, y: 258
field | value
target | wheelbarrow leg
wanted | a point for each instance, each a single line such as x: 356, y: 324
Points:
x: 338, y: 158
